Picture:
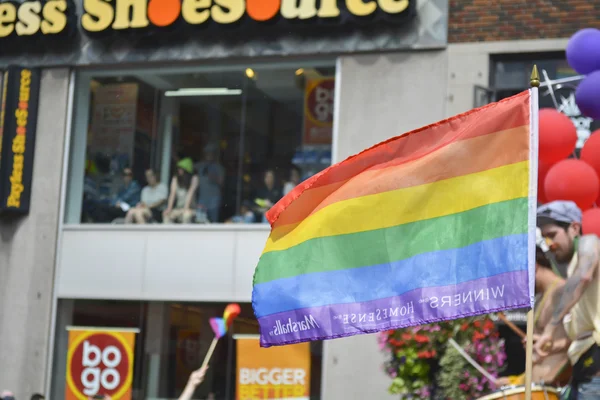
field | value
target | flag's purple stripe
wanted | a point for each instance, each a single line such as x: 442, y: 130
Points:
x: 354, y: 285
x: 500, y: 292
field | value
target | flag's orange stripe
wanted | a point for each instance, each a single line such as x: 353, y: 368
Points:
x: 506, y: 114
x: 459, y: 158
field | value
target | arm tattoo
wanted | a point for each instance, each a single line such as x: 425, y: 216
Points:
x: 568, y: 295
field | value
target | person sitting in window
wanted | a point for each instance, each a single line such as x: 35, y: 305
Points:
x: 154, y: 198
x: 181, y: 206
x: 268, y: 194
x: 293, y: 181
x: 245, y: 216
x: 212, y: 175
x: 127, y: 196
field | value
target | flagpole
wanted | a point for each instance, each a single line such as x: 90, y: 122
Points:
x: 535, y: 84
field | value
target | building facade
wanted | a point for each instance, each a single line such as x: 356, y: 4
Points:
x: 250, y: 94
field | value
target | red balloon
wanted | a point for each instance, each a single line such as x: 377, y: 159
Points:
x: 590, y: 153
x: 543, y: 169
x: 591, y: 221
x: 558, y: 136
x: 572, y: 180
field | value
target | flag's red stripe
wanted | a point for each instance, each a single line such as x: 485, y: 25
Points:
x: 449, y: 162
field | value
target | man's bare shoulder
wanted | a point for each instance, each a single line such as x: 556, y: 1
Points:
x: 588, y: 242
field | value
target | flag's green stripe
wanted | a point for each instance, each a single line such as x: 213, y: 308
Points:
x: 396, y: 243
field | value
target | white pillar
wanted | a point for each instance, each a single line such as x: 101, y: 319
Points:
x: 377, y: 97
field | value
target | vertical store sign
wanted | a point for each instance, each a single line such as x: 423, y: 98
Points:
x: 18, y: 123
x: 279, y: 372
x: 318, y: 111
x: 100, y: 362
x: 3, y: 83
x: 114, y: 120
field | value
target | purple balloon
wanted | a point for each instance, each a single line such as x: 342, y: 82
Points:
x: 587, y: 95
x: 583, y: 51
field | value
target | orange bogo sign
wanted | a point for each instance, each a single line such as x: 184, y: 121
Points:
x: 281, y: 372
x: 99, y: 362
x: 318, y: 111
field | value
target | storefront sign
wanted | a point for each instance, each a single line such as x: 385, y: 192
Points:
x: 18, y: 129
x: 272, y: 373
x: 138, y: 14
x: 100, y: 362
x: 32, y: 17
x: 318, y: 111
x: 51, y: 17
x: 102, y: 32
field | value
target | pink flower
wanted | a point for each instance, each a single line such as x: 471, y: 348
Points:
x: 488, y: 359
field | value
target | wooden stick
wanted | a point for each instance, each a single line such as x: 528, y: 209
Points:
x: 534, y: 83
x: 474, y: 363
x: 529, y: 355
x: 512, y: 326
x: 211, y: 350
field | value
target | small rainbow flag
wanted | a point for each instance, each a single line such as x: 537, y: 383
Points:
x: 220, y: 326
x: 432, y: 225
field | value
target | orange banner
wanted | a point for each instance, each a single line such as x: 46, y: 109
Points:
x: 100, y: 362
x: 281, y: 372
x: 318, y: 111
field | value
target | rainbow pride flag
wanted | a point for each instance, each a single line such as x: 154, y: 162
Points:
x: 433, y: 225
x: 220, y: 326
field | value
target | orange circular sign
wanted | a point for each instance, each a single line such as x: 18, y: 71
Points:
x: 99, y: 363
x: 319, y: 103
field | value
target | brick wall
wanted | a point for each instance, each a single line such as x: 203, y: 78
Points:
x: 490, y: 20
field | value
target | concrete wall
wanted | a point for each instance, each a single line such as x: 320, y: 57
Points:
x: 379, y: 96
x: 213, y: 262
x: 27, y: 250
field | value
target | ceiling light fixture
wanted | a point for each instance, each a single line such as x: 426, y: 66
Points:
x: 203, y: 92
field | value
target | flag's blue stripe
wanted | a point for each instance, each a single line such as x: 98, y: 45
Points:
x: 440, y: 268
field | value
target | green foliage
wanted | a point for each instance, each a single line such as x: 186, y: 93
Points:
x: 453, y: 366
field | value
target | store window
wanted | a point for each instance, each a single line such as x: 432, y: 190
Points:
x: 164, y: 343
x: 510, y: 75
x: 196, y: 146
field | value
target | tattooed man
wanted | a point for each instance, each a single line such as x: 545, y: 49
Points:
x: 576, y: 304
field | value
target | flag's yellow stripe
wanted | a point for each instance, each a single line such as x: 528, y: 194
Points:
x: 417, y: 203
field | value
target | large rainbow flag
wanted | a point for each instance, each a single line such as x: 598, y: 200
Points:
x: 436, y: 224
